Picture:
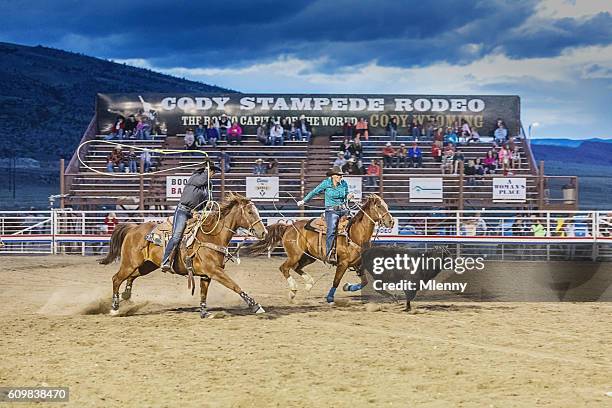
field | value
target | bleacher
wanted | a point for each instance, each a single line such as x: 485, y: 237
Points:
x: 301, y: 166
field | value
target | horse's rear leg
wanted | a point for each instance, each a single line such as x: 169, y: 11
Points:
x: 294, y: 254
x: 220, y: 276
x: 144, y: 269
x: 305, y: 260
x: 125, y: 271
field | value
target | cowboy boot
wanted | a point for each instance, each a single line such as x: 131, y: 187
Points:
x: 166, y: 265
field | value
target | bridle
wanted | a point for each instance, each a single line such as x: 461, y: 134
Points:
x: 375, y: 207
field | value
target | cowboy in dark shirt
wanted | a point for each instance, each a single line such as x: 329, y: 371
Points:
x: 195, y: 195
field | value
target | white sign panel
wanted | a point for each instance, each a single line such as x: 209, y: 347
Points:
x: 262, y: 188
x: 174, y: 186
x: 509, y: 189
x: 424, y: 189
x: 354, y: 186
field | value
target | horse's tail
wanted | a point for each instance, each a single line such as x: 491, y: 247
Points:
x: 116, y: 242
x: 274, y: 236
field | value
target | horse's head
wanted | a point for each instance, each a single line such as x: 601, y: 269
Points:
x: 245, y: 215
x: 376, y: 208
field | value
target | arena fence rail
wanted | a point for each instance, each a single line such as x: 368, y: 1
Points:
x: 498, y: 234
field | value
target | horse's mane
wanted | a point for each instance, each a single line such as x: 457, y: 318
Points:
x: 360, y: 214
x: 232, y: 199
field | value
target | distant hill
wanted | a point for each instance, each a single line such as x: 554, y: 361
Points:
x: 567, y: 142
x: 589, y: 153
x: 47, y: 96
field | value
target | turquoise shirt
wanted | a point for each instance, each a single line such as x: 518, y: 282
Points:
x: 334, y: 196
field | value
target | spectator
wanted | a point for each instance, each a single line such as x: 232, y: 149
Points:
x: 388, y: 155
x: 361, y: 170
x: 340, y: 160
x: 110, y: 221
x: 458, y: 160
x: 139, y: 132
x: 466, y: 130
x: 361, y: 128
x: 200, y: 135
x: 515, y: 158
x: 537, y: 229
x: 439, y: 137
x: 373, y: 173
x: 288, y: 129
x: 429, y: 130
x: 345, y: 146
x: 272, y: 167
x: 451, y: 136
x: 117, y: 129
x: 234, y: 134
x: 225, y: 160
x: 303, y: 129
x: 225, y: 124
x: 436, y: 152
x: 212, y: 134
x: 447, y: 160
x: 392, y: 128
x: 260, y: 168
x: 504, y: 159
x: 145, y: 156
x: 262, y: 134
x: 479, y: 167
x: 115, y: 160
x: 416, y: 131
x: 401, y: 157
x: 475, y: 137
x: 501, y: 133
x: 348, y: 129
x: 132, y: 161
x: 129, y: 129
x: 415, y: 156
x: 490, y: 162
x: 350, y: 166
x: 469, y: 169
x: 355, y: 148
x: 190, y: 140
x: 276, y: 135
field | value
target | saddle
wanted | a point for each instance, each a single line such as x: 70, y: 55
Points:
x: 319, y: 226
x: 163, y: 230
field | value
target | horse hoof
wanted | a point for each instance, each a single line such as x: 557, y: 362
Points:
x: 292, y: 294
x: 114, y: 312
x: 126, y: 295
x: 259, y: 310
x: 346, y: 287
x: 308, y: 286
x: 206, y: 315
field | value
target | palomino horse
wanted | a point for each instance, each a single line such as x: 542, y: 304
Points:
x: 302, y: 245
x: 140, y: 257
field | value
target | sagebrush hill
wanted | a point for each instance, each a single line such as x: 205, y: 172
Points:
x: 47, y: 96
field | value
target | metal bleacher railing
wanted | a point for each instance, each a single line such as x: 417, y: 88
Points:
x: 498, y: 234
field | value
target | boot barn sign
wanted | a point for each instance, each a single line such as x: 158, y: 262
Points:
x: 175, y: 113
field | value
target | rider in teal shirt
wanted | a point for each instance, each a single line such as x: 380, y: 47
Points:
x: 336, y: 196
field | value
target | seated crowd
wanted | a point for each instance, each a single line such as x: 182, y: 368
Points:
x: 128, y: 162
x: 138, y: 127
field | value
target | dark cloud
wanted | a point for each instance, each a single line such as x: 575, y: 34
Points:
x: 347, y: 33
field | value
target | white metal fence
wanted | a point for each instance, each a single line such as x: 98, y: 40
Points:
x: 498, y: 234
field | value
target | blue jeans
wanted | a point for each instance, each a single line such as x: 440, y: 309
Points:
x: 133, y: 166
x: 181, y: 215
x: 303, y: 135
x: 331, y: 219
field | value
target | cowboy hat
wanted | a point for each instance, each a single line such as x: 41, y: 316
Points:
x: 207, y: 164
x: 335, y: 171
x: 259, y: 161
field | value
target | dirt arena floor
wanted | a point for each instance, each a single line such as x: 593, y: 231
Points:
x: 159, y: 353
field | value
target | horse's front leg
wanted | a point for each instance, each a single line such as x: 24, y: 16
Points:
x: 340, y: 270
x: 204, y: 284
x: 220, y: 276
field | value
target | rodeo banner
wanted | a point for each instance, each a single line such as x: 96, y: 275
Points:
x: 326, y: 114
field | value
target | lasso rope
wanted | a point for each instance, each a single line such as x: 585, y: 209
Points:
x: 160, y: 151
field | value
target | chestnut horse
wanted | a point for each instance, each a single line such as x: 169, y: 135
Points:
x: 302, y: 245
x: 140, y: 257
